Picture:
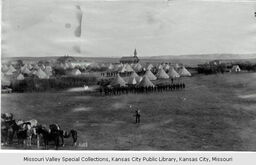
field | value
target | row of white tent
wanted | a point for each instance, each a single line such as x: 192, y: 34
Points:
x: 139, y: 67
x: 172, y: 73
x: 135, y: 79
x: 132, y: 80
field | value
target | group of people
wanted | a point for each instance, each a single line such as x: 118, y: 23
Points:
x: 109, y: 74
x: 27, y: 131
x: 136, y: 89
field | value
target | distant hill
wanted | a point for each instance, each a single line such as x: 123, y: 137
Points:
x: 189, y: 60
x: 208, y: 56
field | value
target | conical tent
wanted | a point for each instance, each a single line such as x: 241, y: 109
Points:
x: 145, y: 82
x: 138, y: 79
x: 162, y: 74
x: 62, y: 66
x: 23, y: 67
x: 5, y: 68
x: 70, y: 65
x: 149, y: 67
x: 123, y: 69
x: 30, y: 66
x: 176, y: 66
x: 94, y: 65
x: 9, y: 72
x: 173, y: 74
x: 48, y: 70
x: 166, y: 67
x: 5, y: 81
x: 36, y: 66
x: 150, y: 75
x: 20, y: 77
x: 134, y: 74
x: 12, y: 69
x: 160, y: 66
x: 118, y: 82
x: 41, y: 74
x: 111, y: 67
x: 184, y: 72
x: 236, y: 68
x: 128, y: 68
x: 138, y: 67
x: 76, y: 72
x: 26, y: 70
x: 66, y: 65
x: 34, y: 72
x: 42, y: 66
x: 132, y: 81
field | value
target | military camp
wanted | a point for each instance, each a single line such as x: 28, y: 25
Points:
x: 180, y: 106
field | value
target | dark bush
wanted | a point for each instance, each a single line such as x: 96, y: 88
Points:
x: 58, y: 83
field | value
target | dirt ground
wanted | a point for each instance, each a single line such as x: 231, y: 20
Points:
x: 213, y: 113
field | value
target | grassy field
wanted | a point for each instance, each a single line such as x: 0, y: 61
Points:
x: 213, y: 113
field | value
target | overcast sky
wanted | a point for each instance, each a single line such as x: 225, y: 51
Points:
x: 114, y: 28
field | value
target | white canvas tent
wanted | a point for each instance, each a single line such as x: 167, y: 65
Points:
x: 145, y: 82
x: 126, y: 68
x: 5, y: 81
x: 161, y: 74
x: 26, y: 71
x: 236, y: 68
x: 111, y: 67
x: 41, y: 74
x: 9, y: 72
x: 173, y: 74
x: 48, y: 70
x: 138, y: 67
x: 134, y: 74
x: 20, y: 77
x: 5, y: 68
x: 132, y: 81
x: 118, y: 82
x: 166, y: 67
x: 184, y: 72
x: 150, y: 75
x: 76, y: 72
x: 149, y: 67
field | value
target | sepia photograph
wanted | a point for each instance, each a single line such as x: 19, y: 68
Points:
x: 113, y: 75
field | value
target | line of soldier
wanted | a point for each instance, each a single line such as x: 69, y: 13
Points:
x: 135, y: 89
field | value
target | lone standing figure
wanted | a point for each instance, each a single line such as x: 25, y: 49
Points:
x: 137, y: 116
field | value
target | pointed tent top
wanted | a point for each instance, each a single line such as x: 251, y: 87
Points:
x: 20, y: 77
x: 150, y: 66
x: 138, y: 67
x: 128, y: 68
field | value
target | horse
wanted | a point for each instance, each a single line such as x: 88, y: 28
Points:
x: 26, y: 131
x: 54, y: 133
x: 48, y: 135
x: 8, y: 130
x: 65, y: 134
x: 6, y: 117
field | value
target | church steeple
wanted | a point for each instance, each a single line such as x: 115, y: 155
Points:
x: 135, y: 52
